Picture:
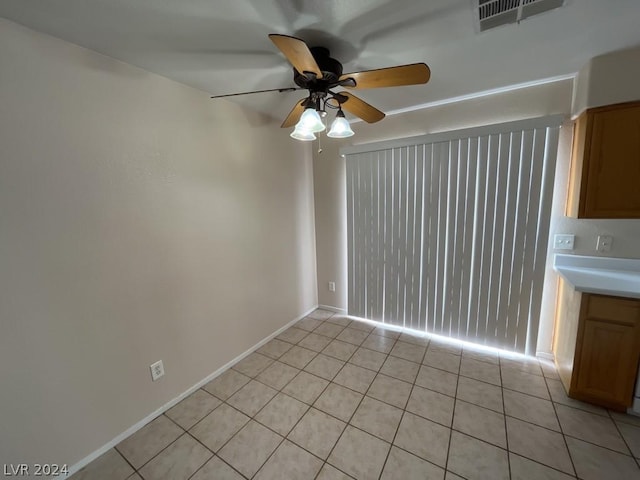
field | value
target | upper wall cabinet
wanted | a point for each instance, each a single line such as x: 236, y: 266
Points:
x: 605, y: 164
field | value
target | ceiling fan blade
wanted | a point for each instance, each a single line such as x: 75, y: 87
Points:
x: 361, y: 109
x: 294, y: 114
x: 281, y: 90
x: 412, y: 74
x: 297, y: 53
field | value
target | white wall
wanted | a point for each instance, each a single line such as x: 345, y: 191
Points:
x: 139, y: 220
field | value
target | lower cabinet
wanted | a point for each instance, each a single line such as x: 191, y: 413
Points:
x: 607, y: 351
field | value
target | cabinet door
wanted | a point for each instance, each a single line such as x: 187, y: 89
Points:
x: 607, y: 352
x: 612, y: 163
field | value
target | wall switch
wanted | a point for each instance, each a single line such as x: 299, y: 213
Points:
x: 332, y: 286
x: 157, y: 370
x: 604, y: 243
x: 563, y: 241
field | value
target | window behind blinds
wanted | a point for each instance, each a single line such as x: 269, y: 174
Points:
x: 448, y: 234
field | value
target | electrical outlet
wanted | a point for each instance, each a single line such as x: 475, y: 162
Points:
x: 604, y: 243
x: 157, y: 370
x: 332, y: 286
x: 563, y: 241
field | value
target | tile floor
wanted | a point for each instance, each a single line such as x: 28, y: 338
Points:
x: 332, y: 398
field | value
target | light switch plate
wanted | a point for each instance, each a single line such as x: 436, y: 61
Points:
x: 604, y: 243
x: 564, y: 241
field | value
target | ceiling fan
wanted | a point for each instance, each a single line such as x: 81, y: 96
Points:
x: 314, y: 70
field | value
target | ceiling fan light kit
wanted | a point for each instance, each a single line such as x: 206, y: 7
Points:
x: 314, y: 70
x: 340, y: 127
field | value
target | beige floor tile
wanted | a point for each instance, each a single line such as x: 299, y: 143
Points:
x: 306, y: 387
x: 109, y: 466
x: 282, y: 413
x: 351, y: 335
x: 338, y: 401
x: 442, y: 360
x: 275, y: 348
x: 377, y: 418
x: 438, y: 380
x: 390, y: 390
x: 359, y: 454
x: 354, y: 377
x: 135, y: 476
x: 481, y: 423
x: 591, y: 428
x: 150, y: 440
x: 483, y: 371
x: 329, y: 472
x: 619, y: 417
x: 539, y: 444
x: 525, y: 469
x: 427, y: 439
x: 298, y: 357
x: 292, y: 335
x: 253, y: 364
x: 330, y: 330
x: 219, y: 426
x: 558, y: 395
x: 290, y: 462
x: 525, y: 383
x: 193, y: 409
x: 481, y: 356
x: 379, y: 343
x: 414, y: 339
x: 178, y: 461
x: 477, y: 460
x: 366, y: 358
x: 314, y: 342
x: 452, y: 476
x: 631, y: 435
x: 530, y: 409
x: 400, y: 369
x: 340, y: 350
x: 431, y: 405
x: 440, y: 346
x: 324, y: 366
x: 408, y: 351
x: 277, y: 375
x: 360, y: 325
x: 252, y: 397
x: 226, y: 384
x: 597, y: 463
x: 250, y: 448
x: 216, y: 469
x: 309, y: 324
x: 480, y: 393
x: 317, y: 432
x: 525, y: 365
x: 340, y: 320
x: 386, y: 332
x: 321, y: 314
x: 402, y: 465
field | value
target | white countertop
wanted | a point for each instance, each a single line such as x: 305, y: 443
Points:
x: 604, y: 275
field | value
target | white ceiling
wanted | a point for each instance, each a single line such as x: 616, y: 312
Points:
x: 221, y: 46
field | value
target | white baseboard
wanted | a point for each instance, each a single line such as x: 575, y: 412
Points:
x: 333, y: 309
x: 134, y: 428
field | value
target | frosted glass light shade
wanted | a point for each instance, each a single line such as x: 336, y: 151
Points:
x: 340, y: 127
x: 310, y: 121
x: 302, y: 134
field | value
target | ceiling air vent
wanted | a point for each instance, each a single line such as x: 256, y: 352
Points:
x: 493, y: 13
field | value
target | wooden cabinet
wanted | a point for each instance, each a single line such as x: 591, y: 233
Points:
x: 605, y: 165
x: 607, y: 351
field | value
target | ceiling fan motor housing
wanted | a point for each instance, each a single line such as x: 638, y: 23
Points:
x: 331, y: 71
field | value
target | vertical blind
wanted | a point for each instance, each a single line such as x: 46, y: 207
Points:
x: 448, y: 234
